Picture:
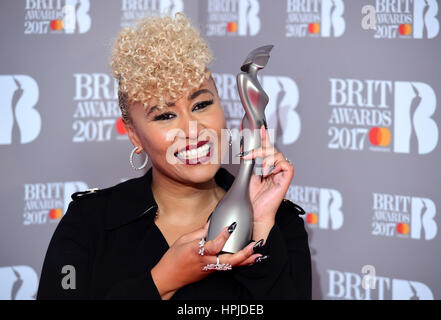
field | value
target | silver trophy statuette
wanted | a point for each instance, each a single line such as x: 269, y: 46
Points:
x: 236, y: 206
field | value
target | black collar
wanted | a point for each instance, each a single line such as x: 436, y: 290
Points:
x: 133, y: 199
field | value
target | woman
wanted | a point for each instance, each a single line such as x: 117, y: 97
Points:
x: 142, y: 239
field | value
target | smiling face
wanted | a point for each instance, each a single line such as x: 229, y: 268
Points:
x: 193, y: 122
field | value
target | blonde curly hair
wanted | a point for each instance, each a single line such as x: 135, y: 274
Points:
x: 160, y: 58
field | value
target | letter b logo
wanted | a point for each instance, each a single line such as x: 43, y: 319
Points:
x: 19, y: 119
x: 415, y: 103
x: 76, y: 13
x: 332, y: 18
x: 425, y: 23
x: 423, y: 219
x: 330, y: 209
x: 249, y: 21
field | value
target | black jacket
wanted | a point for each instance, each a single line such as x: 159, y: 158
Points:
x: 110, y: 238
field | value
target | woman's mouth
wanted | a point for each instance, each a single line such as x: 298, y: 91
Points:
x: 195, y: 154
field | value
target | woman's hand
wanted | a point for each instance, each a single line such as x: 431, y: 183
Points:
x: 268, y: 191
x: 182, y: 264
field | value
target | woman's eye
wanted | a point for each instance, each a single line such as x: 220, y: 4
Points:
x: 168, y: 115
x: 163, y: 116
x: 202, y: 105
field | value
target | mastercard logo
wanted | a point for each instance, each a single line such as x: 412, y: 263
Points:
x: 55, y: 214
x: 232, y: 26
x: 403, y: 228
x: 120, y: 128
x: 312, y: 218
x: 56, y: 25
x: 379, y: 136
x: 313, y: 28
x: 405, y: 29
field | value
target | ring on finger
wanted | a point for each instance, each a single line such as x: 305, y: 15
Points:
x: 217, y: 266
x: 287, y: 160
x: 201, y: 247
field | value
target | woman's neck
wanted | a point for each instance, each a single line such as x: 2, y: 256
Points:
x: 183, y: 204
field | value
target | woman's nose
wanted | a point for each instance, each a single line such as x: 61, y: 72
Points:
x: 191, y: 127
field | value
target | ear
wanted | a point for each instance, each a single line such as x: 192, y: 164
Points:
x: 133, y: 136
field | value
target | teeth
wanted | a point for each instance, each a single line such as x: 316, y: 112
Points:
x: 194, y: 153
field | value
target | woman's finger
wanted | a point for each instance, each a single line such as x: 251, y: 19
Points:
x: 250, y: 260
x: 260, y: 152
x: 266, y: 148
x: 284, y: 166
x: 214, y: 246
x: 238, y: 257
x: 266, y: 142
x: 279, y: 164
x: 271, y: 161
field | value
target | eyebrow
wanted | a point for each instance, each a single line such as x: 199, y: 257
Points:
x: 192, y: 96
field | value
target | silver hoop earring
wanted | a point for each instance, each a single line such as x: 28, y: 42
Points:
x: 131, y: 160
x: 231, y: 137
